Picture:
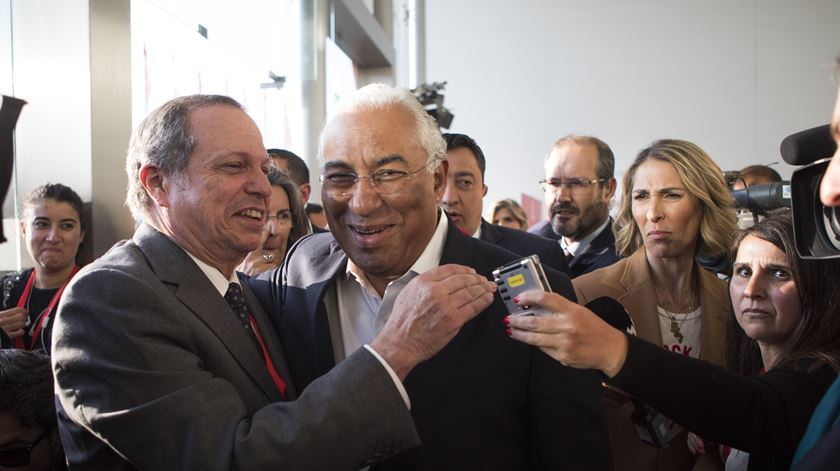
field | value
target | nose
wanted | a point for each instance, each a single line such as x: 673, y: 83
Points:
x: 753, y: 288
x: 449, y: 195
x: 364, y: 200
x: 654, y: 210
x: 272, y: 226
x: 830, y: 186
x: 258, y: 183
x: 54, y: 233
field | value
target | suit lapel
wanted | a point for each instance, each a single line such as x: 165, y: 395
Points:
x: 489, y: 233
x: 641, y: 296
x: 427, y: 380
x: 192, y: 288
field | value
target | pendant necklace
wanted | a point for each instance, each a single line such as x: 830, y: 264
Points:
x: 672, y: 316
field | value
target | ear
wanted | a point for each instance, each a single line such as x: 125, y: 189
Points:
x: 610, y: 186
x: 23, y: 227
x: 440, y: 179
x: 155, y: 184
x: 484, y: 190
x: 305, y: 190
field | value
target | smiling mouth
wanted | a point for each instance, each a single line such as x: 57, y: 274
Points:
x: 368, y: 231
x: 251, y: 213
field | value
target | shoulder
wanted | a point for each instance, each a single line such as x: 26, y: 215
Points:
x: 603, y: 281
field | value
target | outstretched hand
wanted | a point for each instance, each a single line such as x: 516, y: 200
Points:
x: 429, y: 312
x: 571, y: 334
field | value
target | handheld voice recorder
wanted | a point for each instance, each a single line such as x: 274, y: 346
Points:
x: 517, y: 277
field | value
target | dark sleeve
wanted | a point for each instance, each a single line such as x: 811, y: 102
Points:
x: 824, y: 455
x: 767, y: 413
x: 135, y: 378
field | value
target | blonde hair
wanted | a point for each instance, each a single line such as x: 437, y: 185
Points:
x: 515, y: 210
x: 702, y: 178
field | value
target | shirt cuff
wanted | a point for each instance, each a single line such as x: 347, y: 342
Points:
x: 393, y: 375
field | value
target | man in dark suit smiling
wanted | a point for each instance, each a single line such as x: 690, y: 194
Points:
x: 483, y: 402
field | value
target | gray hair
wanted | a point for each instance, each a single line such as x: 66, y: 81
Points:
x: 379, y: 96
x: 163, y: 140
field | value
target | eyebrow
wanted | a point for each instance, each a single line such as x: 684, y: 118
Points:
x: 464, y: 174
x: 661, y: 190
x: 772, y: 266
x: 332, y: 164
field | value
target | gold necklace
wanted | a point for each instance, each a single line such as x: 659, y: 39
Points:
x: 675, y: 324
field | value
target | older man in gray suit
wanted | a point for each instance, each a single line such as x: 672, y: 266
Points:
x: 163, y: 360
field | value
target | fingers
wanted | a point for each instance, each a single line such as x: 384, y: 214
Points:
x: 13, y: 321
x: 551, y: 301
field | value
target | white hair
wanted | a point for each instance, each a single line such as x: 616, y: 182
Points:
x: 379, y: 96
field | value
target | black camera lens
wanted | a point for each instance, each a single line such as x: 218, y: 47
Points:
x: 831, y: 221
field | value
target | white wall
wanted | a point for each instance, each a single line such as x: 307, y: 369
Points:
x: 733, y: 76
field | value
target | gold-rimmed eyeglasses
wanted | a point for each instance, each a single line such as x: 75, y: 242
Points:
x: 385, y: 181
x: 574, y: 185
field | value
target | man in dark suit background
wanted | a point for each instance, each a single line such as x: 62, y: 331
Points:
x: 163, y: 360
x: 463, y: 201
x: 578, y: 186
x: 482, y: 402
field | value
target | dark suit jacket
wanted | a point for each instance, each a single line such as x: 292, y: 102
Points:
x: 153, y: 371
x: 765, y: 415
x: 544, y: 229
x: 484, y: 402
x: 599, y: 253
x: 524, y: 244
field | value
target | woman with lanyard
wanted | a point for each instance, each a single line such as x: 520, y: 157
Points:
x: 53, y: 230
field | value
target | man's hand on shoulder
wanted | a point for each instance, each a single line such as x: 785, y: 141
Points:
x: 429, y: 312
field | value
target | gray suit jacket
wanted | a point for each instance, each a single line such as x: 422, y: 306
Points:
x: 153, y: 371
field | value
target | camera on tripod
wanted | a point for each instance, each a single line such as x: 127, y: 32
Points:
x: 816, y: 227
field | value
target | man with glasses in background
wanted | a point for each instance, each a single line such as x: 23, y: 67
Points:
x: 481, y: 403
x: 578, y: 187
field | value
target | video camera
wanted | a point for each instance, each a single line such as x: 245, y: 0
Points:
x: 431, y: 97
x: 816, y: 227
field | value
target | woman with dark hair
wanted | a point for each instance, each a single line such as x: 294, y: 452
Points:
x: 53, y: 229
x: 784, y: 324
x: 286, y: 224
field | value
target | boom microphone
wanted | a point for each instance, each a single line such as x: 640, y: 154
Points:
x: 613, y: 313
x: 809, y: 145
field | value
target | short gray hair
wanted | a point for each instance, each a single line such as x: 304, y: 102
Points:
x: 163, y: 139
x: 379, y: 96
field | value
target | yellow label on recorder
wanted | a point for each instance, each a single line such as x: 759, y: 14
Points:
x: 516, y: 280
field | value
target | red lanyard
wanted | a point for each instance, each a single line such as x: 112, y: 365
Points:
x: 44, y: 317
x: 281, y: 385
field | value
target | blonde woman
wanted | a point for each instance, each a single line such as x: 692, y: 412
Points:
x: 508, y: 213
x: 675, y: 207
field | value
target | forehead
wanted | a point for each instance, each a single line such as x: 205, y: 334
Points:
x: 654, y: 173
x: 50, y: 208
x: 359, y: 138
x: 759, y: 251
x: 222, y: 130
x: 462, y: 159
x: 573, y: 160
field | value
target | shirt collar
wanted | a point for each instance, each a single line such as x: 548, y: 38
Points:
x: 214, y: 275
x: 428, y: 259
x: 477, y: 234
x: 579, y: 246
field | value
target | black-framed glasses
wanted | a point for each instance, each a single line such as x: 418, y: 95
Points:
x: 574, y: 185
x: 385, y: 182
x: 19, y: 456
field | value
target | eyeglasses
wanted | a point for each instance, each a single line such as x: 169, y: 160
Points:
x: 384, y: 182
x: 574, y: 185
x: 19, y: 456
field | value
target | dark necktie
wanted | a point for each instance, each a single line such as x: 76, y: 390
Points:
x: 568, y: 255
x: 236, y: 298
